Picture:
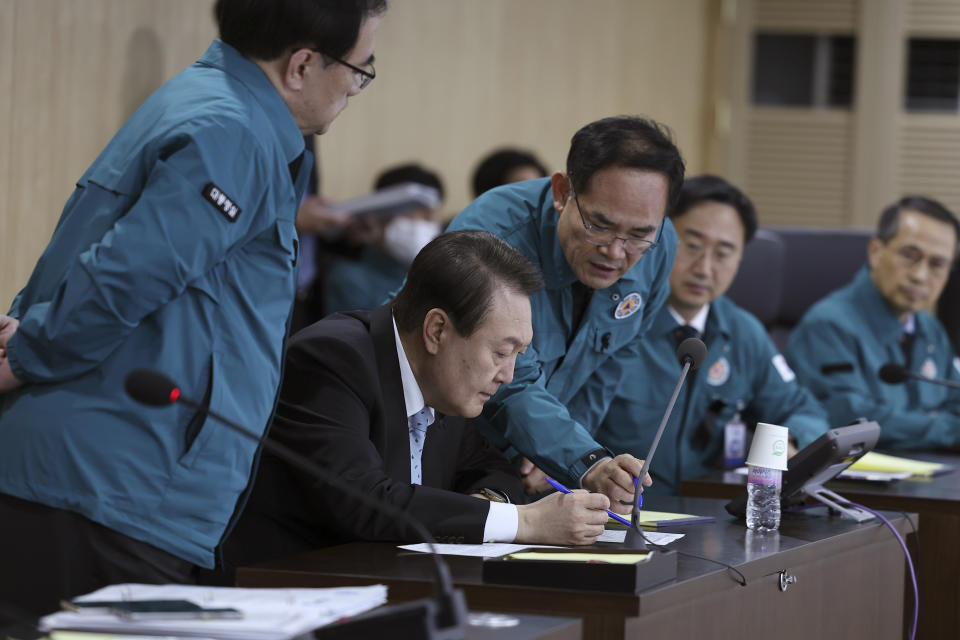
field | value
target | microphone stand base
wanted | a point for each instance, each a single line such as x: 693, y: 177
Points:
x: 635, y: 540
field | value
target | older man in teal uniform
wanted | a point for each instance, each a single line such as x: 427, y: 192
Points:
x: 176, y: 251
x: 744, y: 379
x: 881, y: 317
x: 599, y: 235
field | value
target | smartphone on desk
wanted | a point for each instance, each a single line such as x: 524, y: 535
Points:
x: 152, y: 609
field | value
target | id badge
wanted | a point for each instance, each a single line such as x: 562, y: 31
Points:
x: 734, y: 443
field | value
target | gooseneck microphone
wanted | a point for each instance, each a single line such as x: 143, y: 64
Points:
x: 691, y: 353
x: 446, y: 617
x: 893, y: 373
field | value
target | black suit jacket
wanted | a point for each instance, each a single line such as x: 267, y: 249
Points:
x: 341, y: 404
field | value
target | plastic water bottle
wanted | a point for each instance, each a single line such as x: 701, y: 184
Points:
x: 763, y: 499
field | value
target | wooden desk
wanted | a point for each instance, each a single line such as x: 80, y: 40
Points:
x: 936, y: 500
x: 850, y: 582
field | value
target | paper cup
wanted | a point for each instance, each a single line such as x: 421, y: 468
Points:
x: 769, y: 447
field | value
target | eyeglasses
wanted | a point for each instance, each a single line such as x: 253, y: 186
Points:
x: 600, y: 237
x: 910, y: 256
x: 722, y: 257
x: 365, y: 77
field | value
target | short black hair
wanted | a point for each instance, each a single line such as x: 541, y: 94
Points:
x: 412, y: 172
x: 710, y: 188
x: 632, y: 142
x: 458, y: 272
x: 889, y: 223
x: 266, y: 29
x: 493, y: 169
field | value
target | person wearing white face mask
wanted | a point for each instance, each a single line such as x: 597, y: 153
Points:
x: 404, y: 236
x: 367, y: 282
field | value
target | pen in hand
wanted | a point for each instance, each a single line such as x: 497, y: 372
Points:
x: 562, y: 489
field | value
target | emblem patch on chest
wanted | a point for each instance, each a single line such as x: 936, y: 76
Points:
x: 718, y: 373
x: 929, y: 368
x: 628, y: 306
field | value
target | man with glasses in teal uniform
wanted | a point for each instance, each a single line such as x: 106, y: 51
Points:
x: 883, y: 317
x: 599, y: 235
x: 744, y: 379
x: 177, y: 251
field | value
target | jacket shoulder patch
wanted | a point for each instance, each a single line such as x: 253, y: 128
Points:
x: 224, y: 203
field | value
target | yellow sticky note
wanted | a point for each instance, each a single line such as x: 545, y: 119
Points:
x: 609, y: 558
x: 654, y: 518
x: 85, y: 635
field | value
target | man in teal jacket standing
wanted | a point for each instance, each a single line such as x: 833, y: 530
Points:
x: 743, y: 379
x: 177, y: 251
x: 600, y: 236
x: 881, y: 318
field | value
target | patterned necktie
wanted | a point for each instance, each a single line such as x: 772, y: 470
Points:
x: 418, y: 424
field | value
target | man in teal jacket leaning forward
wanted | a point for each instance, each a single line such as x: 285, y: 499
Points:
x: 881, y: 318
x: 177, y: 251
x: 600, y: 236
x: 743, y: 380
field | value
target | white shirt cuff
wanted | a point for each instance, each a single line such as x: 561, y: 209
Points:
x: 503, y: 521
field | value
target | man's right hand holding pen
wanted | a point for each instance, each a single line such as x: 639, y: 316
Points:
x: 578, y: 517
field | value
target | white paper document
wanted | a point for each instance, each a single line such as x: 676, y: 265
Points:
x: 268, y: 614
x: 486, y: 550
x: 497, y: 549
x: 653, y: 537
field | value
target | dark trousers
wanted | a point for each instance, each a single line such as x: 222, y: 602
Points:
x: 48, y: 555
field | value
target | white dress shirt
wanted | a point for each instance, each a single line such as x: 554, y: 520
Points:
x: 698, y: 322
x: 503, y: 520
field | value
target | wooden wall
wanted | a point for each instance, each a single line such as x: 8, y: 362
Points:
x: 71, y: 72
x: 456, y: 78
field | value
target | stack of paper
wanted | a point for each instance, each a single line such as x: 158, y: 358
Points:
x: 873, y: 461
x: 268, y: 614
x: 498, y: 549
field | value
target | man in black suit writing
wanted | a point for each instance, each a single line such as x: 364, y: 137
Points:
x: 380, y: 399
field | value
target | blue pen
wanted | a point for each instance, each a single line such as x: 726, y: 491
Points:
x: 562, y: 489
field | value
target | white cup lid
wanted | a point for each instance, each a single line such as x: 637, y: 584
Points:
x: 769, y: 446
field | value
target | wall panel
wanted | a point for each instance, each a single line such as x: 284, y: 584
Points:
x: 78, y: 69
x: 930, y: 158
x: 798, y: 166
x: 456, y: 78
x: 807, y: 15
x: 8, y: 221
x: 933, y: 17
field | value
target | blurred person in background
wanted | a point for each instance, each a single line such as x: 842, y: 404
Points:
x: 379, y: 270
x: 880, y: 318
x: 505, y: 166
